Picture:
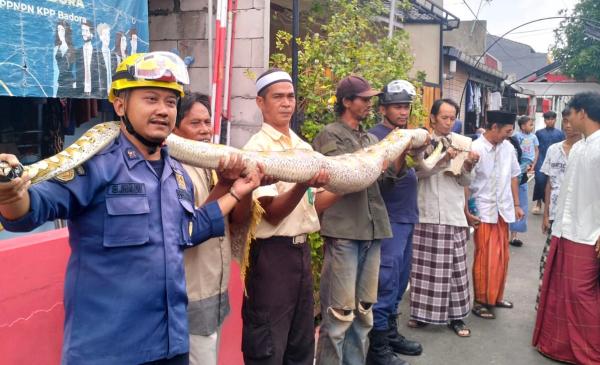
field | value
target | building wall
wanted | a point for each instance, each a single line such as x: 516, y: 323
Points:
x: 453, y: 88
x: 469, y: 37
x: 424, y: 40
x: 183, y: 25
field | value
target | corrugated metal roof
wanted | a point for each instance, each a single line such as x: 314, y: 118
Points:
x: 472, y: 62
x: 556, y: 88
x: 427, y: 12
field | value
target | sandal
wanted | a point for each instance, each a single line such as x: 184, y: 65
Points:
x: 482, y: 311
x: 413, y: 323
x: 504, y: 304
x: 460, y: 328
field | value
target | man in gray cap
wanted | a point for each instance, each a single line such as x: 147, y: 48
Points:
x: 352, y: 228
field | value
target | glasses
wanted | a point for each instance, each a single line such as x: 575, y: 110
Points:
x: 161, y: 66
x: 366, y: 99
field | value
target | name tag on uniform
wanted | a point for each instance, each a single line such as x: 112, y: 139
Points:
x: 126, y: 189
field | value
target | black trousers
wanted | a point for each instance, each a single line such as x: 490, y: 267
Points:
x: 183, y: 359
x: 278, y: 311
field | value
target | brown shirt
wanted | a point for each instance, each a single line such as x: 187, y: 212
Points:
x: 356, y: 216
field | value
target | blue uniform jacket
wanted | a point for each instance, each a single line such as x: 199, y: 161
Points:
x: 125, y: 296
x: 398, y: 193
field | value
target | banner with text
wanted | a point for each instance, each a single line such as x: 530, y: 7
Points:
x: 67, y: 48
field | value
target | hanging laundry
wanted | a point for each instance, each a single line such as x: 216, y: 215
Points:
x: 496, y: 101
x: 469, y: 97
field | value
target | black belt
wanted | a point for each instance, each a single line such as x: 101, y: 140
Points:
x: 295, y: 240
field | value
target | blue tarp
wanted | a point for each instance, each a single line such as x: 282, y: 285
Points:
x: 67, y: 48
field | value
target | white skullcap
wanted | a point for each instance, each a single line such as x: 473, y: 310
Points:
x: 270, y: 79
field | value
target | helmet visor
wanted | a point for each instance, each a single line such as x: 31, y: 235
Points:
x: 399, y: 86
x: 161, y: 66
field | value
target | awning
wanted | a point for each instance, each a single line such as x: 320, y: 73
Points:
x: 454, y: 53
x: 556, y: 88
x: 426, y: 12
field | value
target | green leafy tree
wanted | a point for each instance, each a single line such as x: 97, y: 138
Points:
x: 350, y: 40
x: 577, y: 43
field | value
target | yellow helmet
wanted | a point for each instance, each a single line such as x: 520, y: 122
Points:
x: 155, y: 69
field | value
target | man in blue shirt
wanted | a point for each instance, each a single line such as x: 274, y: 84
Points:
x: 399, y: 192
x: 131, y: 214
x: 457, y: 127
x: 546, y: 137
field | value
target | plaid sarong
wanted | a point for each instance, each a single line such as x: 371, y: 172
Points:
x: 439, y: 280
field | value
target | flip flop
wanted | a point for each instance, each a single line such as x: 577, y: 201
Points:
x: 504, y: 304
x: 460, y: 328
x: 483, y: 312
x: 413, y: 323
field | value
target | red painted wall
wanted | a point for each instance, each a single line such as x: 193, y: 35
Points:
x: 32, y: 270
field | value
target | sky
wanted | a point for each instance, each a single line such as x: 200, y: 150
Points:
x: 503, y: 15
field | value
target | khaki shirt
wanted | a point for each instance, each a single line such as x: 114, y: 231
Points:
x: 303, y: 219
x: 356, y: 216
x: 207, y: 268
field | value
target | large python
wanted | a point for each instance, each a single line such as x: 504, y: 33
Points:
x: 348, y: 172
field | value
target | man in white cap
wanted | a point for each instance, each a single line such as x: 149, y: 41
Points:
x: 278, y: 310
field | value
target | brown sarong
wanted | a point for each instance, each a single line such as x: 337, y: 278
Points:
x: 568, y: 318
x: 490, y: 266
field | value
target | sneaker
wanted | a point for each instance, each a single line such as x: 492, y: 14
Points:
x: 536, y: 210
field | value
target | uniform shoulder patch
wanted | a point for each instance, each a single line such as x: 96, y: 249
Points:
x: 66, y: 176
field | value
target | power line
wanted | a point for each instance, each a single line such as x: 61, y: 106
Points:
x: 468, y: 7
x: 534, y: 30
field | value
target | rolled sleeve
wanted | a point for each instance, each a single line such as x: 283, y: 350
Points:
x: 465, y: 177
x: 515, y: 168
x: 545, y: 169
x: 268, y: 190
x: 208, y: 223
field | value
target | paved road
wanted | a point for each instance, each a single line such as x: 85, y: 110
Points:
x: 503, y: 341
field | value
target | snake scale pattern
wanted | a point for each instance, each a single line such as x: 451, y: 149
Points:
x: 348, y: 172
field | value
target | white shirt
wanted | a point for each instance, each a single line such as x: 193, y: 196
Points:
x: 491, y: 185
x: 87, y: 63
x: 107, y: 66
x: 578, y: 209
x: 554, y: 166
